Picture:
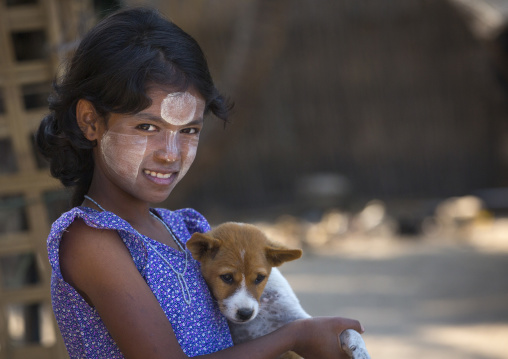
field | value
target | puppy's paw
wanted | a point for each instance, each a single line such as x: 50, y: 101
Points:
x: 353, y: 344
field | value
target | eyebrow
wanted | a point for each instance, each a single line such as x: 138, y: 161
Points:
x: 158, y: 119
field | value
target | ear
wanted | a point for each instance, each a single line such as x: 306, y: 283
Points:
x: 276, y: 254
x: 87, y: 119
x: 202, y: 245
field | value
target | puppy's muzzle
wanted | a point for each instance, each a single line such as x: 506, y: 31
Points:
x: 244, y: 314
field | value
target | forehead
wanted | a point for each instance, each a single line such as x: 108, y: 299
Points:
x: 243, y: 246
x: 159, y: 105
x: 159, y: 94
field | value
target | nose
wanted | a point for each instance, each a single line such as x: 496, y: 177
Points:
x: 169, y: 148
x: 244, y: 314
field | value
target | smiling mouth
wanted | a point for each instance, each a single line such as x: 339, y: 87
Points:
x: 158, y: 174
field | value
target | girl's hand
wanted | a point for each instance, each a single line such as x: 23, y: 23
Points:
x: 319, y: 337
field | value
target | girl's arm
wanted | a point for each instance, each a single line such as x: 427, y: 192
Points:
x: 99, y: 266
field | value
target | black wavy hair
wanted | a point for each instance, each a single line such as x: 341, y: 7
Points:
x: 112, y: 68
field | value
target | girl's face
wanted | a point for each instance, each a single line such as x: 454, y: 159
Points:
x: 149, y: 152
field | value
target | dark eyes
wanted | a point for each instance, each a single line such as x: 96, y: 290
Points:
x: 228, y: 278
x: 259, y: 278
x: 147, y: 127
x: 190, y: 131
x: 151, y: 128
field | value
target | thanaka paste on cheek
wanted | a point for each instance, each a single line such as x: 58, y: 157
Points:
x: 192, y: 147
x: 123, y: 154
x: 181, y: 147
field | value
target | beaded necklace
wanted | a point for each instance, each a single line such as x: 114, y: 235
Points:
x: 179, y: 275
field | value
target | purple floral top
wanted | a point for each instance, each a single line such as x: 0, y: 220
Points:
x: 199, y: 327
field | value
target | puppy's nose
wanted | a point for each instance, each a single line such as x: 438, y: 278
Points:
x: 244, y: 313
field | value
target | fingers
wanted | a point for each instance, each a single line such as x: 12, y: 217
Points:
x: 348, y: 337
x: 353, y: 324
x: 321, y: 337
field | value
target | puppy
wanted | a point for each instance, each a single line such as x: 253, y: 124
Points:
x: 238, y: 263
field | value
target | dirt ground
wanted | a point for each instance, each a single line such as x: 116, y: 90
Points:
x: 417, y: 298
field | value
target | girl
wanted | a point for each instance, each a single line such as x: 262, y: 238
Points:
x: 123, y: 130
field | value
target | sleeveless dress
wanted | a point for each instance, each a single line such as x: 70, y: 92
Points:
x: 199, y: 326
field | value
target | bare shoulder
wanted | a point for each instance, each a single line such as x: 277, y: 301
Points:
x: 80, y: 236
x: 99, y: 266
x: 86, y: 252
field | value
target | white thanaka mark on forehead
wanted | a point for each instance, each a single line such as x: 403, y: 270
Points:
x: 179, y: 108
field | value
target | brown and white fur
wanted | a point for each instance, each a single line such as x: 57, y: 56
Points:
x: 238, y: 263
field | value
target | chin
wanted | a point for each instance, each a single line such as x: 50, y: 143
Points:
x: 159, y: 197
x: 155, y: 199
x: 152, y: 193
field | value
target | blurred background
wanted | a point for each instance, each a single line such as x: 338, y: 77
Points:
x: 373, y: 134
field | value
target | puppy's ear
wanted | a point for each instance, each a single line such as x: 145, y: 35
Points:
x: 202, y: 245
x: 276, y: 254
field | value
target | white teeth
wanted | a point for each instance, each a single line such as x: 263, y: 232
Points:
x: 157, y: 174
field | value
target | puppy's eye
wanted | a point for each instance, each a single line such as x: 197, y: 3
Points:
x: 259, y: 278
x: 227, y: 278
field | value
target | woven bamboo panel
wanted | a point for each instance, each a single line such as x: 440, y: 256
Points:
x: 34, y: 36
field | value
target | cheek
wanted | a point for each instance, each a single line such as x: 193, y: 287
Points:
x: 189, y: 150
x: 257, y: 290
x: 219, y: 289
x: 123, y: 154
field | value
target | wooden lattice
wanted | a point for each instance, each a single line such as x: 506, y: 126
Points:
x: 33, y: 36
